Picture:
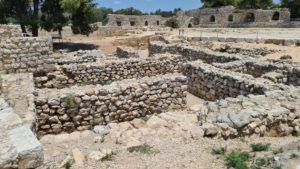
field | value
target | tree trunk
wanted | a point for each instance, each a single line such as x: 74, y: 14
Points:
x: 35, y: 25
x: 20, y: 12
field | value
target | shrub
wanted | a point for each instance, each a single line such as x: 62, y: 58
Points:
x: 108, y: 157
x: 260, y: 147
x: 145, y: 149
x: 294, y: 156
x: 237, y: 160
x: 219, y: 151
x: 71, y: 102
x: 277, y: 167
x: 277, y: 151
x: 68, y: 165
x: 261, y: 162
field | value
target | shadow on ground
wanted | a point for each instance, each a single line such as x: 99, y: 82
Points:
x: 72, y: 47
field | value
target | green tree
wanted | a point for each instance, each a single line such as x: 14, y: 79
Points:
x: 83, y: 17
x: 293, y: 5
x: 53, y: 18
x: 218, y: 3
x: 5, y: 11
x: 101, y: 14
x: 129, y: 11
x: 256, y: 4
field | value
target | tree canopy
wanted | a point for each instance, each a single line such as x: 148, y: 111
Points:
x: 50, y: 15
x: 243, y: 4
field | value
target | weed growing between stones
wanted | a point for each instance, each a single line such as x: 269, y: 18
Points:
x: 277, y: 151
x: 68, y: 165
x: 294, y: 156
x: 277, y: 167
x: 108, y: 157
x: 219, y: 151
x: 261, y: 162
x: 237, y: 159
x: 144, y: 149
x: 71, y: 102
x: 256, y: 147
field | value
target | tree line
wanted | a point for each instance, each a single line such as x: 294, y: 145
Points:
x: 50, y: 15
x: 53, y: 15
x: 293, y: 5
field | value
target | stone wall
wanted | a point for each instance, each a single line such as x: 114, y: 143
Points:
x: 284, y: 42
x: 135, y: 21
x: 280, y: 72
x: 127, y: 52
x: 211, y: 83
x: 228, y: 16
x: 20, y: 54
x: 80, y: 108
x: 7, y: 31
x: 191, y: 52
x: 109, y: 71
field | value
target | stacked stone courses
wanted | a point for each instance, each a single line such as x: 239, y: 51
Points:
x: 284, y: 72
x: 79, y: 108
x: 20, y: 54
x: 211, y: 83
x: 192, y: 52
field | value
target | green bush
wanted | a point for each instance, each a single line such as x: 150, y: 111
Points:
x: 277, y: 151
x: 294, y: 156
x: 219, y: 151
x: 71, y: 102
x: 237, y: 160
x: 108, y: 157
x: 261, y: 162
x: 145, y: 149
x: 277, y: 167
x: 260, y: 147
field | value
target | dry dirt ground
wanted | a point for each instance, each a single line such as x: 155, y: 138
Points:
x: 174, y: 147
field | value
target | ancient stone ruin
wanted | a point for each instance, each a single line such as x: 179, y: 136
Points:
x: 44, y: 94
x: 227, y: 16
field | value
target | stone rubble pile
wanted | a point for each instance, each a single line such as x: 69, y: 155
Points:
x: 274, y: 114
x: 80, y: 108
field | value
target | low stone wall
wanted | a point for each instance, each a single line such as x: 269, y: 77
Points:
x: 280, y: 72
x: 109, y: 71
x: 7, y: 31
x: 253, y: 52
x: 284, y: 42
x: 206, y: 55
x: 80, y: 108
x: 211, y: 83
x: 126, y: 52
x: 20, y: 54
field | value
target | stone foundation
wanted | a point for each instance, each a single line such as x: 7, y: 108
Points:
x: 80, y: 108
x: 211, y: 83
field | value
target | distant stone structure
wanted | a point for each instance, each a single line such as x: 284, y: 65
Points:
x: 137, y: 21
x: 227, y: 16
